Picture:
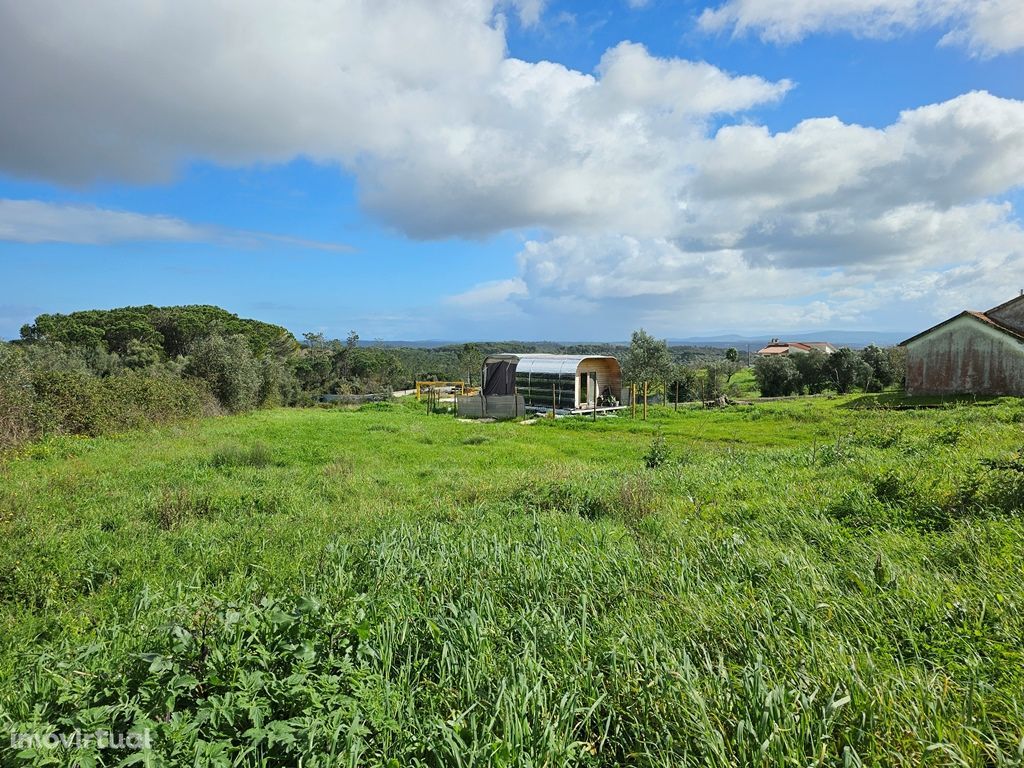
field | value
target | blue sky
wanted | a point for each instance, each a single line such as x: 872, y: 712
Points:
x: 554, y: 170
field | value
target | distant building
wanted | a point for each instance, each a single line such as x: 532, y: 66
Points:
x: 776, y: 347
x: 978, y: 353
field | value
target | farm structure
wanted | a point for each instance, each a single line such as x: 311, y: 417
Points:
x: 775, y: 348
x: 979, y: 353
x: 563, y: 383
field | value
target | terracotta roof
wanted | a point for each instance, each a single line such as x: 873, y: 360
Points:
x: 980, y: 316
x: 783, y: 347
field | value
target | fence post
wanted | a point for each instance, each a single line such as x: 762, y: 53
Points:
x: 677, y: 396
x: 645, y: 401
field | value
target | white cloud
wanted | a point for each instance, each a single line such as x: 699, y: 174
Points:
x: 643, y: 212
x: 445, y: 133
x: 488, y: 294
x: 37, y: 221
x: 529, y: 11
x: 986, y: 27
x: 826, y: 222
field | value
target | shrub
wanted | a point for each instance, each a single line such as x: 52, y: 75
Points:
x: 229, y: 369
x: 278, y: 385
x: 67, y: 402
x: 16, y: 424
x: 135, y: 398
x: 658, y: 452
x: 776, y: 376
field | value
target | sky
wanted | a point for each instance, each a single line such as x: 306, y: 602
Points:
x: 529, y: 169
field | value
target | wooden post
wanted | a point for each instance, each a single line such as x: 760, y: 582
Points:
x: 552, y: 400
x: 632, y: 398
x: 677, y: 396
x: 645, y: 401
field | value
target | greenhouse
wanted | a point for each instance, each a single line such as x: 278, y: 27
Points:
x: 569, y: 383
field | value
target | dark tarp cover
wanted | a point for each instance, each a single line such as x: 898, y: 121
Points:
x: 500, y: 378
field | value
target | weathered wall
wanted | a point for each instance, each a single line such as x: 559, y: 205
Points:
x: 1012, y: 314
x: 965, y: 357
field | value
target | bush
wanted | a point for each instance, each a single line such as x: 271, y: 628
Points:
x: 135, y: 398
x: 278, y: 385
x: 658, y: 452
x: 229, y: 369
x: 67, y: 402
x: 16, y: 424
x: 776, y: 376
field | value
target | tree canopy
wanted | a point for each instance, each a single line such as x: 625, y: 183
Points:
x: 647, y: 359
x: 166, y: 332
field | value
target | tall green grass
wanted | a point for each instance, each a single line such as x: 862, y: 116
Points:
x: 789, y: 584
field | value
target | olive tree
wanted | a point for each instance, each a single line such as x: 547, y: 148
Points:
x: 229, y: 368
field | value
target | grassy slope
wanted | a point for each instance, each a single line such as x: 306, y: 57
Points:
x: 805, y: 581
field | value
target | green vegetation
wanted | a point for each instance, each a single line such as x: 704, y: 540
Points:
x: 815, y: 582
x: 871, y: 369
x: 103, y: 371
x: 151, y: 333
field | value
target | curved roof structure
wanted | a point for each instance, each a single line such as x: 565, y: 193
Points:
x: 546, y: 380
x: 546, y: 363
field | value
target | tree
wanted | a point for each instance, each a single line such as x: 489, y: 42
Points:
x: 712, y: 380
x: 812, y: 368
x: 776, y: 376
x: 647, y: 360
x: 684, y: 382
x: 139, y: 354
x: 883, y: 370
x: 846, y: 370
x: 471, y: 360
x: 229, y: 368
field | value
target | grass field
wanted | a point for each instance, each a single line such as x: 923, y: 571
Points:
x: 814, y: 582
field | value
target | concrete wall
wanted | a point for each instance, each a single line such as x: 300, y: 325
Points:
x: 965, y: 357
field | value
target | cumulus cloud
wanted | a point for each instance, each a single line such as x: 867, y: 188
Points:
x: 655, y: 193
x: 825, y: 222
x: 986, y: 27
x: 445, y: 133
x: 37, y: 221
